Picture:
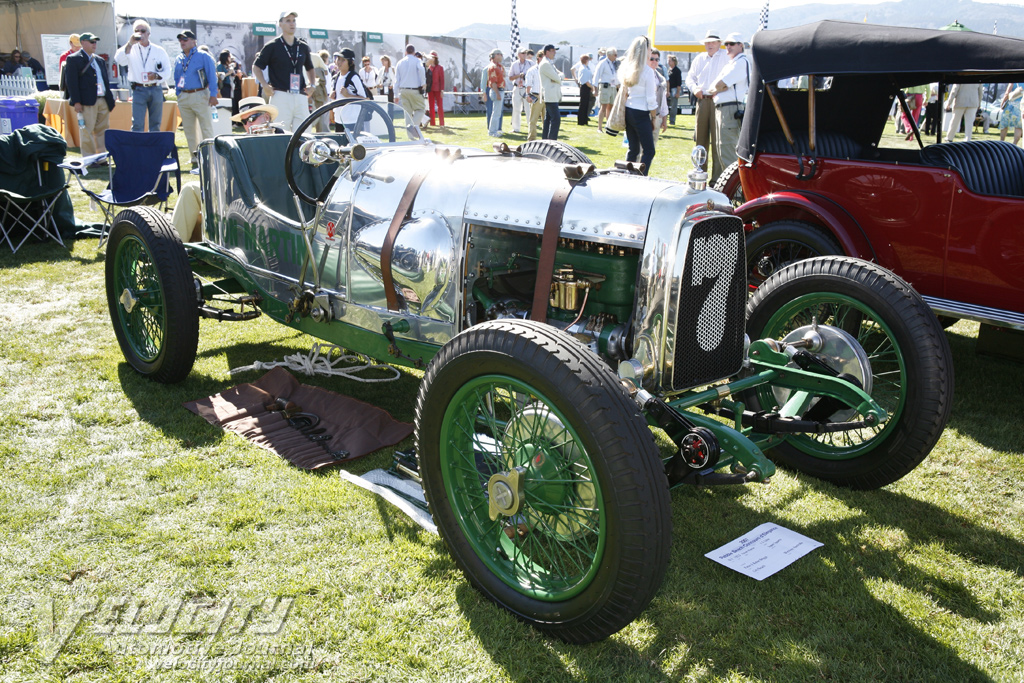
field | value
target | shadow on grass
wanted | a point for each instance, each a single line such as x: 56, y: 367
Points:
x: 825, y: 616
x: 986, y: 401
x: 848, y: 611
x: 45, y: 251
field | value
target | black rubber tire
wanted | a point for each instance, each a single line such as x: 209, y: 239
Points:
x: 633, y: 487
x: 175, y: 351
x: 729, y: 184
x: 773, y: 246
x: 927, y: 393
x: 556, y: 150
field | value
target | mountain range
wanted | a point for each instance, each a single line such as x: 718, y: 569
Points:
x: 978, y: 16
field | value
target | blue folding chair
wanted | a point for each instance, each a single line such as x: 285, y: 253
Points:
x: 142, y: 166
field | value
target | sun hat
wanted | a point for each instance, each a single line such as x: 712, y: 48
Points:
x: 251, y: 105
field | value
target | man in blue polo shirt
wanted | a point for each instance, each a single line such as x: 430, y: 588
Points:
x: 195, y: 81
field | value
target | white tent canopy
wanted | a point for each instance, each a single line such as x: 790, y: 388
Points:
x: 22, y: 22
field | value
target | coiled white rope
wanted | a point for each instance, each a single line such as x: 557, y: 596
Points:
x: 319, y: 362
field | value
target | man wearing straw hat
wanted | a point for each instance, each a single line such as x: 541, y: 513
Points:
x: 700, y: 80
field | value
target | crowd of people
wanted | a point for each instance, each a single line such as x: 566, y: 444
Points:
x: 638, y: 94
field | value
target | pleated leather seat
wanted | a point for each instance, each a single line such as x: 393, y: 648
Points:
x: 827, y: 144
x: 987, y: 166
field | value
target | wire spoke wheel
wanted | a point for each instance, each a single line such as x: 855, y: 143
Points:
x: 141, y: 312
x: 911, y: 374
x: 888, y: 368
x: 151, y: 295
x: 543, y: 478
x: 772, y: 247
x: 550, y: 544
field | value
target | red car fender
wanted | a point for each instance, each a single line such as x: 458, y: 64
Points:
x: 812, y: 208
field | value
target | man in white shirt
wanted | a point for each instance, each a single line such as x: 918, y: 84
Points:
x: 585, y: 79
x: 700, y: 80
x: 368, y: 75
x: 410, y: 79
x: 148, y: 67
x: 534, y: 96
x: 517, y: 81
x: 606, y: 81
x: 730, y: 96
x: 551, y: 83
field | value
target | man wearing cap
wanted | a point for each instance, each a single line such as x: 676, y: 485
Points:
x: 496, y: 88
x: 37, y: 68
x: 89, y: 93
x: 195, y: 82
x: 285, y: 70
x: 410, y: 79
x: 700, y: 80
x: 551, y: 84
x: 148, y: 66
x: 517, y: 78
x: 256, y: 117
x: 607, y: 82
x: 74, y: 45
x: 730, y: 94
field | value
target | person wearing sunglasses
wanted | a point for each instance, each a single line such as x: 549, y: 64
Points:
x: 661, y: 96
x: 85, y: 73
x: 148, y: 67
x: 257, y: 117
x: 730, y: 93
x: 195, y: 81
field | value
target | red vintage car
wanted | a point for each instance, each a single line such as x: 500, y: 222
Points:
x: 817, y: 177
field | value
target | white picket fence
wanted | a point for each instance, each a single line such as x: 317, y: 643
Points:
x: 17, y: 86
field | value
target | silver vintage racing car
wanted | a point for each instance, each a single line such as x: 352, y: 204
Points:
x: 588, y: 341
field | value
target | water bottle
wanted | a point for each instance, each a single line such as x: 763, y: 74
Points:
x: 214, y: 114
x: 81, y: 121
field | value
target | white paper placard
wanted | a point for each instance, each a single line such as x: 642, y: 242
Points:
x: 763, y: 551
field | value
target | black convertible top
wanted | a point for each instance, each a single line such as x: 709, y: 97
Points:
x: 869, y: 64
x: 841, y: 47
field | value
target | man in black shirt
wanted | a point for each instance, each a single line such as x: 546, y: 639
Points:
x: 285, y: 70
x: 675, y: 87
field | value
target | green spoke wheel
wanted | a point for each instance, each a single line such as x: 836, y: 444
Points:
x: 543, y: 478
x: 141, y: 313
x: 150, y: 295
x: 911, y: 374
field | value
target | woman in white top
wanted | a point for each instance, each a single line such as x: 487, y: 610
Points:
x: 387, y: 78
x: 641, y: 101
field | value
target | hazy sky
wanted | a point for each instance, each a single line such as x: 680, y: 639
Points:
x: 429, y: 17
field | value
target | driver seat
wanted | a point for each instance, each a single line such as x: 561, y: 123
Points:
x: 261, y: 180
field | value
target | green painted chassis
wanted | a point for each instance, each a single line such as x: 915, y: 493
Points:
x: 742, y: 447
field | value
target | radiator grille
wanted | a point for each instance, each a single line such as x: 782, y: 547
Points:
x: 712, y: 302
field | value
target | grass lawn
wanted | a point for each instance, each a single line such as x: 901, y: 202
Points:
x: 114, y: 497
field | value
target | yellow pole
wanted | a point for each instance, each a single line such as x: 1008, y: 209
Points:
x: 654, y: 18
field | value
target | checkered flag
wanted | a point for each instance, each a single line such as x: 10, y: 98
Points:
x: 995, y: 27
x: 762, y: 21
x: 514, y: 33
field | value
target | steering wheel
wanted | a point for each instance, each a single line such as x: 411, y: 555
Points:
x: 367, y: 106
